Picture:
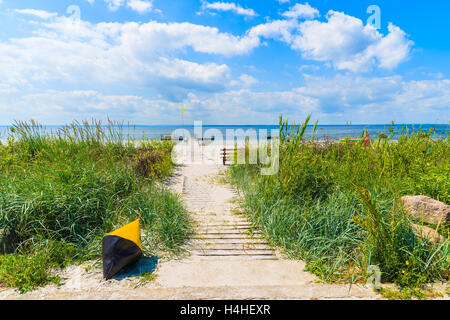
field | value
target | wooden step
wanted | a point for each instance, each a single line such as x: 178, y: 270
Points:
x: 224, y: 236
x: 257, y: 252
x: 230, y: 246
x: 228, y: 241
x: 224, y: 227
x: 228, y: 231
x: 219, y: 221
x: 244, y: 257
x: 234, y: 219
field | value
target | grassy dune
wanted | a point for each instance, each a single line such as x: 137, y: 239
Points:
x: 60, y: 194
x: 336, y: 206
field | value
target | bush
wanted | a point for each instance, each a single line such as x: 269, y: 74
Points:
x: 72, y: 187
x: 336, y: 205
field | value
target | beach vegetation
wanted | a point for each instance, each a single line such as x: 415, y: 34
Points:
x: 61, y: 191
x: 336, y: 205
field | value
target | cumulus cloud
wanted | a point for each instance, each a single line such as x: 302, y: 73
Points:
x: 339, y: 99
x: 79, y: 55
x: 229, y: 6
x: 331, y: 100
x: 279, y: 30
x: 244, y: 80
x: 165, y: 36
x: 37, y: 13
x: 140, y: 5
x: 301, y: 11
x: 55, y: 106
x: 348, y: 44
x: 78, y: 52
x: 71, y: 51
x: 342, y: 40
x: 113, y: 5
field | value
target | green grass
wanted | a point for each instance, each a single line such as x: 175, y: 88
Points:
x: 409, y: 294
x: 72, y: 187
x: 336, y: 206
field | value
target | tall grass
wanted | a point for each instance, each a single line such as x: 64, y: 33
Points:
x: 336, y: 205
x: 67, y: 189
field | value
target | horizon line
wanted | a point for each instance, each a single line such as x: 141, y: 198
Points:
x: 247, y: 125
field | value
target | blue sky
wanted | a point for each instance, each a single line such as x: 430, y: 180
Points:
x: 224, y: 62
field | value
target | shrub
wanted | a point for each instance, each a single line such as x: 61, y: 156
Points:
x: 72, y: 187
x: 335, y: 205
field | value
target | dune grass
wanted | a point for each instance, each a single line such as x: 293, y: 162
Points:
x: 336, y: 205
x: 61, y: 192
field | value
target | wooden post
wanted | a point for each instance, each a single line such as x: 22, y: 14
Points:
x: 224, y: 154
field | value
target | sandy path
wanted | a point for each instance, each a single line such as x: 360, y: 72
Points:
x: 225, y: 260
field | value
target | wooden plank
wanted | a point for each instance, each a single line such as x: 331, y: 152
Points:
x: 223, y: 228
x: 229, y: 231
x: 232, y: 253
x: 229, y: 246
x: 253, y: 257
x: 221, y: 221
x: 223, y: 236
x: 267, y: 252
x: 227, y: 241
x: 223, y: 225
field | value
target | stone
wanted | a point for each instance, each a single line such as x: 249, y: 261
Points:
x: 427, y: 233
x: 7, y: 241
x: 433, y: 211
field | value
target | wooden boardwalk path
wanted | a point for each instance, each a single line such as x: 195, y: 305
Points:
x: 220, y: 233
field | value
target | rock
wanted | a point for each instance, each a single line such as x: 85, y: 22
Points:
x: 7, y: 241
x: 433, y: 211
x: 427, y: 233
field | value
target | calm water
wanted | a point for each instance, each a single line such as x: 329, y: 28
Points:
x: 329, y: 131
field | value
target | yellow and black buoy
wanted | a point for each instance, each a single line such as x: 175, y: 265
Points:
x: 121, y: 248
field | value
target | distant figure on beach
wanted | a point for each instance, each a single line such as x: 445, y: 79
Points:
x: 367, y: 139
x: 288, y: 138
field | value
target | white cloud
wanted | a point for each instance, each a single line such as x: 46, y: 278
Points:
x: 278, y: 29
x: 342, y: 40
x: 379, y: 99
x: 247, y: 81
x: 392, y: 49
x: 36, y: 13
x: 140, y: 6
x: 137, y: 54
x: 155, y: 36
x: 54, y: 106
x: 301, y: 11
x: 7, y: 89
x: 64, y: 50
x: 91, y: 1
x: 113, y: 5
x: 349, y: 45
x: 330, y: 99
x: 229, y: 6
x: 79, y: 55
x: 244, y: 80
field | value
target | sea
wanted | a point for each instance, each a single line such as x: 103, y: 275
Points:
x: 226, y: 132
